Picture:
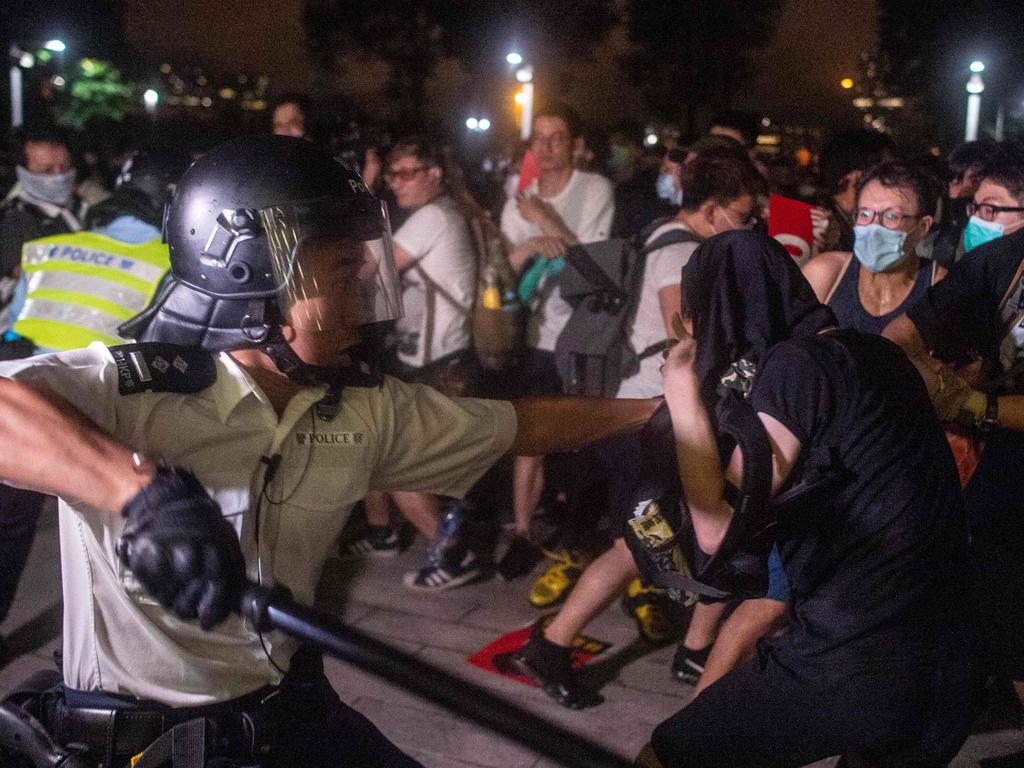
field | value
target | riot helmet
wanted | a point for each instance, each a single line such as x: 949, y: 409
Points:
x: 265, y: 231
x: 143, y: 187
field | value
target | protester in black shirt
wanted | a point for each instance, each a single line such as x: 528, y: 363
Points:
x: 875, y: 662
x: 975, y: 313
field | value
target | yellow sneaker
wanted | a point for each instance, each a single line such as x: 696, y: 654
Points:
x: 657, y: 616
x: 554, y: 584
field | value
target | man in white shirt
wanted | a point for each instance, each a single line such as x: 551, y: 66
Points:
x: 437, y: 265
x: 232, y: 447
x: 564, y: 206
x: 720, y: 188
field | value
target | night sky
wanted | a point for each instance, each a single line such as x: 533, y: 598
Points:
x: 818, y: 43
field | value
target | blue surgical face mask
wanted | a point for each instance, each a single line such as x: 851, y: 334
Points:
x: 978, y: 232
x: 666, y: 188
x: 878, y: 248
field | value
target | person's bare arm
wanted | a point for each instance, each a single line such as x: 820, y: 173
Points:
x: 823, y: 270
x: 48, y: 445
x: 557, y: 424
x: 669, y: 302
x: 403, y: 259
x: 700, y: 470
x: 543, y: 247
x: 540, y: 213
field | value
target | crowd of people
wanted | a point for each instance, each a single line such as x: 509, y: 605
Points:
x: 888, y: 363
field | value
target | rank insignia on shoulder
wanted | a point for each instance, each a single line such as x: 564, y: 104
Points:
x: 159, y: 367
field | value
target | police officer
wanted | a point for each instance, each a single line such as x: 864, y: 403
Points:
x: 76, y: 288
x: 233, y: 446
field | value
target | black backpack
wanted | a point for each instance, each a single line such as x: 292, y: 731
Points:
x: 660, y: 532
x: 602, y: 282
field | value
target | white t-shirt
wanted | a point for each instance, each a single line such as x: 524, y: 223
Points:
x: 661, y: 269
x: 586, y: 205
x: 438, y: 307
x: 394, y: 437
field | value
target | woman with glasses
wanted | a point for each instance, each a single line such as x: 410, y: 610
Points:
x: 884, y: 274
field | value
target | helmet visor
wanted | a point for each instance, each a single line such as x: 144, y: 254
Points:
x: 333, y: 262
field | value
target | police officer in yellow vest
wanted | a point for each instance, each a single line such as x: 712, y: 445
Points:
x: 78, y: 288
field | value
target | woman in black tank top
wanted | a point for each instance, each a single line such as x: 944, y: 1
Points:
x: 869, y: 287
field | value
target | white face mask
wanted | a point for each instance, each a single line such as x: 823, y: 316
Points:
x: 53, y: 188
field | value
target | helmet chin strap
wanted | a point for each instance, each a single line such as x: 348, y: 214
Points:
x: 362, y: 370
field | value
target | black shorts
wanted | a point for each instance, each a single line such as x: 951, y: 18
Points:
x: 536, y: 374
x: 761, y: 715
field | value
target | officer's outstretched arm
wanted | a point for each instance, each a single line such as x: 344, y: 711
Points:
x: 48, y: 445
x: 557, y: 424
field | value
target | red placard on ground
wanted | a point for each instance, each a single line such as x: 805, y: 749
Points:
x: 789, y: 222
x: 583, y: 650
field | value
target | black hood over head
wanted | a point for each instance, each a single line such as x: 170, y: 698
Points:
x: 743, y: 294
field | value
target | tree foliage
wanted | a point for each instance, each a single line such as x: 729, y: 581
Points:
x: 697, y: 53
x: 413, y: 35
x: 96, y: 91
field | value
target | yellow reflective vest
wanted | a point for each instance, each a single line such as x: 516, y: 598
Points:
x: 81, y: 286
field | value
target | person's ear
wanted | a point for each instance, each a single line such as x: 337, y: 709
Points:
x: 434, y: 172
x: 926, y: 224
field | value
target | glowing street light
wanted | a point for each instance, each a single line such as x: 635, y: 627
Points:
x: 846, y: 83
x: 524, y: 74
x: 150, y: 99
x: 514, y: 58
x: 975, y: 86
x: 57, y: 46
x: 472, y: 123
x: 651, y: 139
x: 484, y: 124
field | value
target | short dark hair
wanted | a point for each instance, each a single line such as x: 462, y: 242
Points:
x: 856, y: 150
x: 423, y: 148
x: 970, y: 157
x: 746, y: 124
x: 896, y: 173
x: 42, y: 133
x: 1006, y: 168
x: 562, y: 110
x: 721, y: 174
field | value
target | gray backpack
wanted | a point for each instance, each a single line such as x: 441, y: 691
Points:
x: 602, y: 282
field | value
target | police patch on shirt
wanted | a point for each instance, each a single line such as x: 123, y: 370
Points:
x: 332, y: 439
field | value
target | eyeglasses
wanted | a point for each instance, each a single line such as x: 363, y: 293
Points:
x: 888, y: 218
x: 988, y: 212
x: 405, y: 174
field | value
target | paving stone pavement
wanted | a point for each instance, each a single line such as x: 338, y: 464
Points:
x: 441, y: 629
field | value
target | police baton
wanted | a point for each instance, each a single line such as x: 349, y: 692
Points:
x: 274, y: 609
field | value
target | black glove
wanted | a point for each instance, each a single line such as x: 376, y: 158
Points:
x: 181, y: 549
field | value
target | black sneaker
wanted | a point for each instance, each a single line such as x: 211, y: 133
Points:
x: 556, y: 680
x: 519, y: 559
x: 379, y: 541
x: 688, y: 664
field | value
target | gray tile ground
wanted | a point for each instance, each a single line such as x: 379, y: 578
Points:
x: 442, y: 630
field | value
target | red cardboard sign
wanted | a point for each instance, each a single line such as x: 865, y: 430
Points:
x: 789, y: 222
x: 583, y: 650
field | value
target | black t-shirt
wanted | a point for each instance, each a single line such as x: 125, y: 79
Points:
x: 958, y: 318
x: 876, y: 568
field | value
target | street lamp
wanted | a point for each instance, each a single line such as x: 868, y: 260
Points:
x: 57, y: 46
x: 514, y: 58
x: 525, y: 100
x: 150, y: 99
x: 975, y: 86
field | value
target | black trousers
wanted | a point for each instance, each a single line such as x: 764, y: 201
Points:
x: 305, y: 724
x: 19, y: 515
x: 761, y: 715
